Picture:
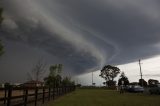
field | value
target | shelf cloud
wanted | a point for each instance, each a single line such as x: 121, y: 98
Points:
x: 84, y: 35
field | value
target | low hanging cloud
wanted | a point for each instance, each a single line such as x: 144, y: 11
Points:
x: 85, y: 35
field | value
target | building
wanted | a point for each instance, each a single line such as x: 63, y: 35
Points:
x: 33, y: 83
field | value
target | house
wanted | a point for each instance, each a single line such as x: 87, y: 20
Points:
x: 33, y: 83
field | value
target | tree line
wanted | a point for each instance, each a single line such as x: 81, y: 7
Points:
x: 54, y: 78
x: 109, y: 73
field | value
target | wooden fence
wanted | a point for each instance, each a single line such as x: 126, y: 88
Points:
x: 21, y: 96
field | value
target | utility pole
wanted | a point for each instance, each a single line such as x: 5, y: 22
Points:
x: 140, y: 71
x: 92, y: 78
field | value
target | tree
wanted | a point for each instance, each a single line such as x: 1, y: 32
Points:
x: 142, y: 82
x: 109, y: 73
x: 123, y: 80
x: 55, y: 70
x: 38, y: 71
x: 54, y: 78
x: 1, y: 18
x: 152, y: 82
x: 67, y: 81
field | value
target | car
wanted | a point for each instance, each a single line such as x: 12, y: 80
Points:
x: 135, y: 88
x: 155, y: 90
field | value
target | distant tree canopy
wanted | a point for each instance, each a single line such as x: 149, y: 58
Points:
x: 55, y: 79
x: 67, y: 81
x: 123, y: 80
x: 142, y: 82
x: 109, y: 73
x: 152, y: 82
x: 1, y: 18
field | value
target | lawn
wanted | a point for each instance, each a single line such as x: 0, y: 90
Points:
x: 100, y: 97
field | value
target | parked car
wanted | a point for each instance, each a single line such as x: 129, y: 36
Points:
x: 135, y: 88
x: 155, y: 90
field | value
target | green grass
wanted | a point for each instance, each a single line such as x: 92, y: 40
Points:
x: 100, y: 97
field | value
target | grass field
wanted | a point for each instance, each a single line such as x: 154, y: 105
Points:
x: 100, y: 97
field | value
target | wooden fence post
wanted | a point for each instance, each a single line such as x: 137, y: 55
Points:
x: 49, y: 93
x: 53, y: 92
x: 9, y: 96
x: 26, y: 97
x: 43, y: 94
x: 36, y: 96
x: 5, y: 95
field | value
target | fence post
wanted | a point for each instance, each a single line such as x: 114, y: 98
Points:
x: 53, y: 93
x: 43, y: 94
x: 59, y: 91
x: 5, y: 95
x: 49, y: 93
x: 9, y: 96
x: 25, y: 97
x: 36, y: 96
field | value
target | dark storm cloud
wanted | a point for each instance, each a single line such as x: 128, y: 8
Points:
x: 85, y: 34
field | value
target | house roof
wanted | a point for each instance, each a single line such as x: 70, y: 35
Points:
x: 34, y: 82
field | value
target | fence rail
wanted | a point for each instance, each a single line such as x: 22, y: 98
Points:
x: 26, y: 95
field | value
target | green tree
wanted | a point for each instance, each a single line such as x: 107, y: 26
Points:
x: 54, y: 78
x: 1, y: 18
x: 109, y: 73
x: 142, y: 82
x: 67, y: 81
x: 152, y: 82
x: 123, y: 79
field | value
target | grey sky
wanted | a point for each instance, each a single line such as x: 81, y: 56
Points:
x: 84, y: 35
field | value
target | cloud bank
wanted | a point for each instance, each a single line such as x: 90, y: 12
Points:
x: 84, y: 35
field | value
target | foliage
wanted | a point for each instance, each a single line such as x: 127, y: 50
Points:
x: 142, y: 82
x: 1, y: 18
x: 7, y: 84
x: 152, y: 82
x: 55, y: 70
x: 78, y: 85
x: 54, y: 78
x: 109, y: 73
x: 123, y: 79
x: 67, y: 81
x: 38, y: 71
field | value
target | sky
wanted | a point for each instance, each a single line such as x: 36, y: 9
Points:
x: 83, y: 35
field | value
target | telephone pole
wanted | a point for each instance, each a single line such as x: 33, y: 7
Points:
x: 92, y: 78
x: 140, y: 70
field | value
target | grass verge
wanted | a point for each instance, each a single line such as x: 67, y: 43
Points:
x: 100, y: 97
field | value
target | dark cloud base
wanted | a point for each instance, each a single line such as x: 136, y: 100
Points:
x: 114, y: 33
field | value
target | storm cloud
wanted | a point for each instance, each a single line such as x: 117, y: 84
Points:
x: 84, y: 35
